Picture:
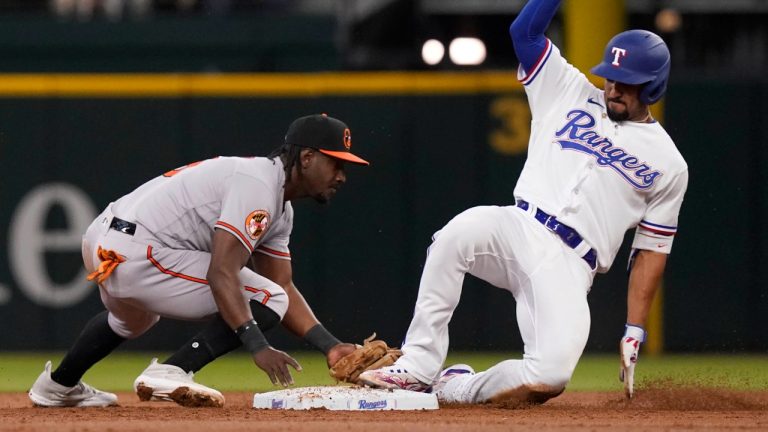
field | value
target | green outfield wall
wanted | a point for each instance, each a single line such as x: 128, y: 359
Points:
x: 438, y: 144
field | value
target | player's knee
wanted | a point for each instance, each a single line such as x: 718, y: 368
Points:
x: 133, y: 328
x: 544, y: 381
x: 526, y: 395
x: 551, y: 374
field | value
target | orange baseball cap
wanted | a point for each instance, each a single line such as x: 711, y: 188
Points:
x: 328, y: 135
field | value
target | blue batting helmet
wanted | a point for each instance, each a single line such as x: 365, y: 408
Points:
x: 637, y: 57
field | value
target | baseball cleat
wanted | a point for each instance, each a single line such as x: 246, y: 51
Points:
x: 46, y: 392
x: 392, y: 377
x: 447, y: 375
x: 170, y: 383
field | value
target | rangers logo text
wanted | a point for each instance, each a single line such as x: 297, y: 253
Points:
x: 578, y: 135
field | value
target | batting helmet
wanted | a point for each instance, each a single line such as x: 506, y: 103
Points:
x: 637, y: 57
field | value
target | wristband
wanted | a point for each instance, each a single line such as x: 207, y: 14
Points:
x: 321, y: 338
x: 252, y: 338
x: 635, y: 331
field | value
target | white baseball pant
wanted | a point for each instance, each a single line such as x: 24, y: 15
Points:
x: 508, y: 248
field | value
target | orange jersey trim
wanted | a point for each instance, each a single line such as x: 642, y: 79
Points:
x: 172, y: 273
x: 267, y: 294
x: 236, y: 232
x: 274, y: 252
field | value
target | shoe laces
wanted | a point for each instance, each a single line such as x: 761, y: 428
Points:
x: 81, y: 389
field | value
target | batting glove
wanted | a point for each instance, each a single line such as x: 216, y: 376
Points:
x: 629, y: 348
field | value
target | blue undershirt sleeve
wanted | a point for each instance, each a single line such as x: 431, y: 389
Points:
x: 527, y: 30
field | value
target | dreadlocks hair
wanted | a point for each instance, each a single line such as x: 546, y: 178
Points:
x: 290, y: 155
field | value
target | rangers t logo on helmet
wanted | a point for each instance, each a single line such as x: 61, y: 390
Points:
x: 619, y: 53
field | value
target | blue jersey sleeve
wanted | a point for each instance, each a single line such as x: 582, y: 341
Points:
x: 527, y: 31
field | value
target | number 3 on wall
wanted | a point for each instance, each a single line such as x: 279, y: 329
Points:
x: 511, y: 138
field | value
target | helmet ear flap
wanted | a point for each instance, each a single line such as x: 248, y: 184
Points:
x: 653, y: 91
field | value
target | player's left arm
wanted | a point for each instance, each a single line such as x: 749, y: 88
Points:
x: 644, y: 280
x: 300, y: 319
x: 653, y: 242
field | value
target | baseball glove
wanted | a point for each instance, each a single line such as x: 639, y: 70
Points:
x: 373, y: 354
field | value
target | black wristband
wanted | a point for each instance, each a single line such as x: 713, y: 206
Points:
x: 252, y: 338
x: 321, y: 338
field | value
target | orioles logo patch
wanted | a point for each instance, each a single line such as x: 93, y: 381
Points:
x: 347, y: 139
x: 256, y: 223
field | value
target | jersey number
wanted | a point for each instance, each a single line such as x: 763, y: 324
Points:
x: 173, y: 172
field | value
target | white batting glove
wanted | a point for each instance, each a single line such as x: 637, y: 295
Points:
x: 629, y: 348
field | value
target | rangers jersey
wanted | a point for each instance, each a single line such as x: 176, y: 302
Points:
x: 595, y: 175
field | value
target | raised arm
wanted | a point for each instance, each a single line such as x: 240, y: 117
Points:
x: 527, y: 30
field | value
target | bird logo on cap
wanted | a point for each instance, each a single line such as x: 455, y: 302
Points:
x: 347, y: 139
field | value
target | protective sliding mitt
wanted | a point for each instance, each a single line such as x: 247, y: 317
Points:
x: 629, y: 349
x: 373, y: 354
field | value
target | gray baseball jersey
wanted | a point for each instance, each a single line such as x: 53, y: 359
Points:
x: 168, y: 254
x: 243, y: 196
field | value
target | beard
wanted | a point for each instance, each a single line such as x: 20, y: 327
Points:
x: 618, y: 116
x: 615, y: 115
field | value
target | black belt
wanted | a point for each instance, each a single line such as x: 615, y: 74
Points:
x: 567, y: 234
x: 125, y: 227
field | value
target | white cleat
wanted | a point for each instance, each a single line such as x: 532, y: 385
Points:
x: 392, y: 377
x: 46, y: 392
x: 170, y: 383
x: 447, y: 375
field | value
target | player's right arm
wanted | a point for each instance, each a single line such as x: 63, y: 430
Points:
x: 228, y: 257
x: 527, y: 31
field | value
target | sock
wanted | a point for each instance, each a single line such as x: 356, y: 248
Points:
x: 217, y: 339
x: 94, y: 343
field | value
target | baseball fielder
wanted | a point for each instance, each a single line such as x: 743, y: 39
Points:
x: 598, y: 164
x: 205, y: 241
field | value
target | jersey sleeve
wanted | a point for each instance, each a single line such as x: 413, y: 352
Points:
x: 659, y: 225
x: 246, y: 210
x: 552, y: 82
x: 275, y: 244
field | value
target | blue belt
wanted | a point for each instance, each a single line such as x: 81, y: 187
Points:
x: 566, y: 233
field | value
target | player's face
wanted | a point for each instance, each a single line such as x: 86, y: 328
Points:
x: 623, y: 102
x: 323, y: 176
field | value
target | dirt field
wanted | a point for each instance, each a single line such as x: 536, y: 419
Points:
x: 651, y: 410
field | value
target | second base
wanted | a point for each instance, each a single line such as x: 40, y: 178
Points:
x: 344, y: 398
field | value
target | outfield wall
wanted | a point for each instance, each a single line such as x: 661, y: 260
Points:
x: 438, y: 144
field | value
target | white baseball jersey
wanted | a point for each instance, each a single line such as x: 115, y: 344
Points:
x: 595, y: 175
x: 243, y: 196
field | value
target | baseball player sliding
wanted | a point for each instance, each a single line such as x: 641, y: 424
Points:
x: 205, y: 241
x: 598, y: 164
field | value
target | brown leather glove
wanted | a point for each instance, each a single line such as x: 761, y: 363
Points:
x: 373, y: 354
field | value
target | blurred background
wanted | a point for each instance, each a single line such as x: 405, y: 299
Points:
x: 99, y: 96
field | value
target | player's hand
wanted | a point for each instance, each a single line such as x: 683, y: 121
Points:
x: 337, y: 352
x: 629, y: 349
x: 275, y: 364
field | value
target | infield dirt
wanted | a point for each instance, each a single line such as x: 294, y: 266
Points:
x: 653, y: 409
